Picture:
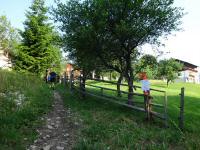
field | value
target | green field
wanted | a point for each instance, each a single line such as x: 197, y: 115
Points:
x: 110, y: 126
x: 23, y: 99
x: 104, y: 125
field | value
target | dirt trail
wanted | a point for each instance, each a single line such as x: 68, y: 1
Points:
x: 59, y: 132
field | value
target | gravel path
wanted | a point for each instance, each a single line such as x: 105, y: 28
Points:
x: 59, y: 132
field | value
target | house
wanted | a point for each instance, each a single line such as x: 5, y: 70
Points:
x: 5, y: 62
x: 189, y: 73
x: 69, y: 68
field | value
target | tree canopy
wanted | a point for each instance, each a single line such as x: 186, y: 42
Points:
x: 169, y: 69
x: 148, y: 63
x: 111, y: 31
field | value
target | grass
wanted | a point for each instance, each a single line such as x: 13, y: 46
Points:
x: 23, y: 99
x: 110, y: 126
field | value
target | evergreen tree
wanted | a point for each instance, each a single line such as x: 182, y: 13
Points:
x: 39, y: 48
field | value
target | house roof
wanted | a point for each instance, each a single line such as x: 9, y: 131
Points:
x: 187, y: 64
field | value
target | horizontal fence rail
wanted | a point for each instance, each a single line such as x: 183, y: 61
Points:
x: 134, y: 86
x: 77, y: 84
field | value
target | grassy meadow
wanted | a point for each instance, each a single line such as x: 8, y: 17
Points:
x: 23, y: 99
x: 110, y: 126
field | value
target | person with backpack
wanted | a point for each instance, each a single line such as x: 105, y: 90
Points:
x: 52, y: 78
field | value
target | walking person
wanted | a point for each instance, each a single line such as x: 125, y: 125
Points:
x: 52, y: 76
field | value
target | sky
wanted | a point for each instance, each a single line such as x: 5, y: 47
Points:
x: 184, y: 45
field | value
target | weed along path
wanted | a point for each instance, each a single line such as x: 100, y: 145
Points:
x: 59, y: 131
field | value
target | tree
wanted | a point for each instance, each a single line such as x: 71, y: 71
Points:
x: 148, y: 63
x: 79, y: 40
x: 9, y: 37
x: 118, y: 28
x: 169, y: 69
x: 39, y: 48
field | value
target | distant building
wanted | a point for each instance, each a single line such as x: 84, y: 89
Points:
x: 5, y: 62
x: 190, y: 73
x: 69, y: 68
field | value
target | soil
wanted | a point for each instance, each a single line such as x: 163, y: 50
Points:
x: 60, y: 131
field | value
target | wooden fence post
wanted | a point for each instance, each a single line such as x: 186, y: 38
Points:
x: 65, y: 78
x: 80, y: 82
x: 165, y: 110
x: 71, y: 80
x: 181, y: 117
x: 146, y: 106
x: 118, y: 90
x: 81, y: 85
x: 101, y: 91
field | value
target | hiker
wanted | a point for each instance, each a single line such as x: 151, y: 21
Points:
x: 47, y: 76
x: 52, y: 78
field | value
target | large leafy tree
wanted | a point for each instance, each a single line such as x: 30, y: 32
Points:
x: 148, y: 63
x: 39, y: 49
x: 78, y: 38
x: 117, y: 29
x: 9, y: 37
x: 169, y: 69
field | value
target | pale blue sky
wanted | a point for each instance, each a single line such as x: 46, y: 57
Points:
x: 185, y: 45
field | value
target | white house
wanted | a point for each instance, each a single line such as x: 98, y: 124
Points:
x: 190, y: 73
x: 5, y: 62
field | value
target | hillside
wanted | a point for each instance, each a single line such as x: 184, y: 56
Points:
x: 23, y: 99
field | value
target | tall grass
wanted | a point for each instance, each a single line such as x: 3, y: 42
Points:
x: 23, y: 99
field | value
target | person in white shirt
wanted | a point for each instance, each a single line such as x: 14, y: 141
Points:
x: 146, y: 86
x: 145, y: 83
x: 146, y: 90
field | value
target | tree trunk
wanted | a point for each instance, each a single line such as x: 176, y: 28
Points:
x: 168, y: 82
x: 83, y: 87
x: 129, y: 74
x: 118, y: 85
x: 83, y: 80
x: 110, y: 75
x: 65, y: 80
x: 130, y: 90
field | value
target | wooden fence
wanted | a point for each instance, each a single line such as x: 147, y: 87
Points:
x: 75, y: 83
x: 146, y: 106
